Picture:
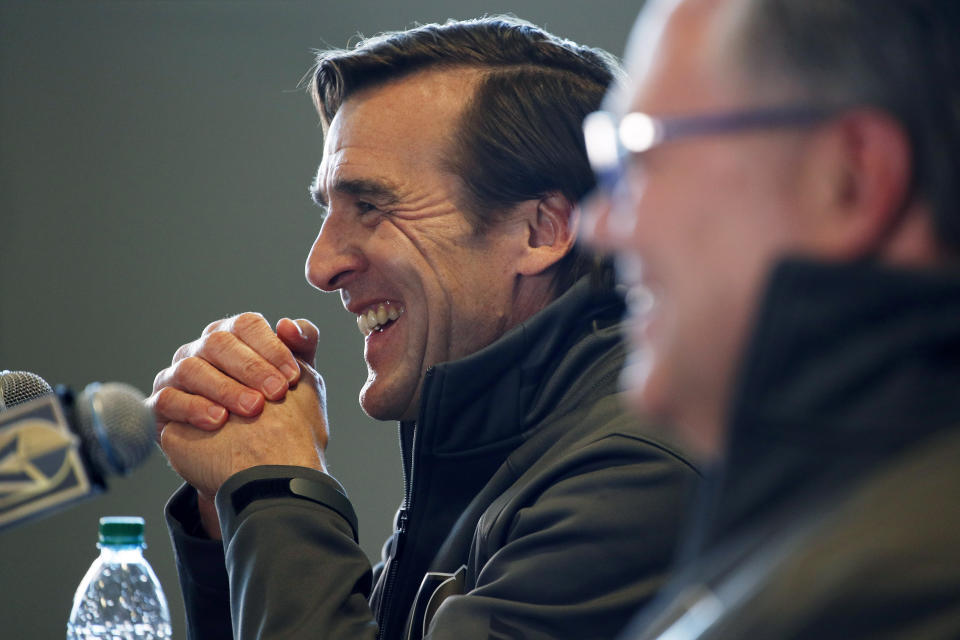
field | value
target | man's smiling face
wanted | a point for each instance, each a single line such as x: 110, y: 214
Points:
x: 700, y: 221
x: 426, y: 288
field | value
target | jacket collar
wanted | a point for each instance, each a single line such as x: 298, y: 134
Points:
x: 850, y: 353
x: 488, y: 397
x: 847, y: 364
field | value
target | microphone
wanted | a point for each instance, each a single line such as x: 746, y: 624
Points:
x: 17, y: 387
x: 56, y: 449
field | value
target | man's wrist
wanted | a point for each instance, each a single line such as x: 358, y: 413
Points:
x: 208, y: 517
x: 245, y: 489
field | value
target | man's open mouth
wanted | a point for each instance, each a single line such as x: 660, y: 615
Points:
x: 378, y: 317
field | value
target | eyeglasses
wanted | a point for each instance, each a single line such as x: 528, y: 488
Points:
x: 610, y: 144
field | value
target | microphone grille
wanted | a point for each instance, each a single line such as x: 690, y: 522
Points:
x: 116, y: 426
x: 17, y: 387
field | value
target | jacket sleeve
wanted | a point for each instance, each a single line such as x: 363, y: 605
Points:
x: 593, y: 542
x: 294, y: 566
x: 289, y: 565
x: 200, y: 566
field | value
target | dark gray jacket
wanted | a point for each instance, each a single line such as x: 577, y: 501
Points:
x: 837, y: 512
x: 535, y: 507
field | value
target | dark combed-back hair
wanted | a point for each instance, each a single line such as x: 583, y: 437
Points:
x: 520, y: 135
x: 902, y: 56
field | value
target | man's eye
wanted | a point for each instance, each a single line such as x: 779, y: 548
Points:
x: 365, y: 207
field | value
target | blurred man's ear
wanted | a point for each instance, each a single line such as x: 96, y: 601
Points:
x: 551, y: 224
x: 862, y: 161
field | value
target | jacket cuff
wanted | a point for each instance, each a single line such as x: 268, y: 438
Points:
x: 199, y: 559
x: 255, y: 487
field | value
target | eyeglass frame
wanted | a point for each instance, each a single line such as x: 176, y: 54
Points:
x: 649, y: 132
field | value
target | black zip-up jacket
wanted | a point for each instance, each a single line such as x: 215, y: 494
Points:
x: 534, y: 507
x: 836, y: 512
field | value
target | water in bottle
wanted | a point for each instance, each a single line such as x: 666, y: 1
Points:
x: 120, y: 597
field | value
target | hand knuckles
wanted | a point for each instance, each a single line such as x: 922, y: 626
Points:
x: 183, y: 352
x: 248, y: 322
x: 160, y: 380
x: 164, y: 402
x: 223, y: 388
x: 252, y: 369
x: 168, y: 439
x: 217, y: 342
x: 186, y: 371
x: 213, y: 326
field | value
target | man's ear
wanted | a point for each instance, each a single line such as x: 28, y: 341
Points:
x: 865, y: 169
x: 551, y: 224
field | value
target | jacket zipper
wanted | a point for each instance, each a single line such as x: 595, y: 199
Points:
x: 398, y: 540
x: 403, y: 517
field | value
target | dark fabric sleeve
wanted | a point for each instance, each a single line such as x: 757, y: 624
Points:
x: 595, y: 541
x: 200, y: 566
x: 295, y: 568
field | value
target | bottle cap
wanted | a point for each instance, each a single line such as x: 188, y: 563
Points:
x: 121, y: 530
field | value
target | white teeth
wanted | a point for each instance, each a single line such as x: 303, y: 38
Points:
x: 376, y: 316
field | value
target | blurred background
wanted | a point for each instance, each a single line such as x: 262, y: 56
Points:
x: 154, y: 163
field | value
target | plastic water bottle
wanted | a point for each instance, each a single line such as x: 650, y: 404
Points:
x: 120, y: 597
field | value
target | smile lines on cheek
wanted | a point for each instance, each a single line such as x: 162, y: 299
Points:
x: 378, y: 317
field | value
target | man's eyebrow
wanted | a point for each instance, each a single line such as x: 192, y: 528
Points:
x: 382, y: 192
x: 317, y: 194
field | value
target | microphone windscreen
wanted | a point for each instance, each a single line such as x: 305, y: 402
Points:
x: 17, y: 387
x: 115, y: 425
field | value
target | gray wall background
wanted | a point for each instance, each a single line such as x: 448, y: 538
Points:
x: 154, y: 159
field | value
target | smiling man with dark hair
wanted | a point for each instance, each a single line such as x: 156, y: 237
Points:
x: 534, y: 506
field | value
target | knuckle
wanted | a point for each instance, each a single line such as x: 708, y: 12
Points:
x: 213, y: 326
x: 160, y: 380
x: 217, y: 342
x: 164, y: 401
x: 184, y: 371
x: 222, y: 389
x: 252, y: 369
x: 151, y: 403
x: 167, y: 437
x: 183, y: 352
x: 249, y: 321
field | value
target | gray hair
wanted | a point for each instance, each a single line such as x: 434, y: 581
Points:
x: 900, y: 56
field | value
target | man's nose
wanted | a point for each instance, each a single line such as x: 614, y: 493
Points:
x: 335, y: 256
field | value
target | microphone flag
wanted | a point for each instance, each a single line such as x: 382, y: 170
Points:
x: 41, y: 466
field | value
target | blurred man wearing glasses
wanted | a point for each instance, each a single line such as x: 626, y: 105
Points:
x: 780, y: 181
x: 534, y: 505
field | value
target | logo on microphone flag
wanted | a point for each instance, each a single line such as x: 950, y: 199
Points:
x: 40, y: 464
